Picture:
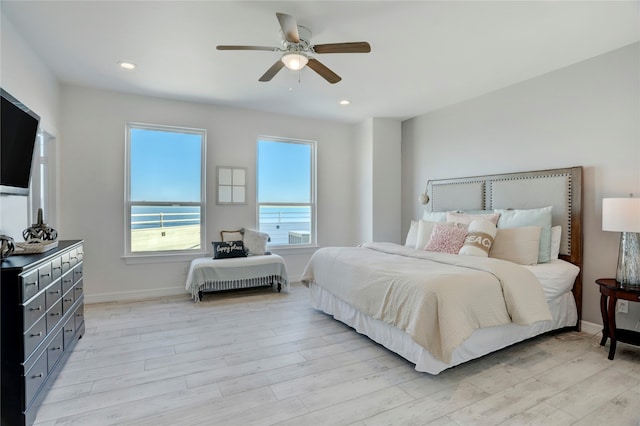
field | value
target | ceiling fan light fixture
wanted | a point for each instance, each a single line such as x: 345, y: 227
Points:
x: 294, y: 61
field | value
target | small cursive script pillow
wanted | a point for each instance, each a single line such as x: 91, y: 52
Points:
x: 479, y: 238
x: 228, y: 249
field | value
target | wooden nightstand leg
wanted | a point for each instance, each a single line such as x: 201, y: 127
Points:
x: 612, y: 325
x: 605, y: 319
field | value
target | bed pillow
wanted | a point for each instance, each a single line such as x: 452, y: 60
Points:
x: 435, y: 216
x: 228, y: 249
x: 479, y: 239
x: 446, y: 238
x: 556, y: 236
x: 255, y: 242
x: 232, y: 235
x: 530, y: 217
x: 467, y: 218
x: 425, y: 227
x: 412, y: 235
x: 518, y: 245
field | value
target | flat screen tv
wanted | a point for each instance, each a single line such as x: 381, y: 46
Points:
x: 18, y: 129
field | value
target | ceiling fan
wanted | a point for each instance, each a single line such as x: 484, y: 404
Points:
x: 297, y: 49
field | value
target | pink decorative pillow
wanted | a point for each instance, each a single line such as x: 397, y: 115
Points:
x: 446, y: 239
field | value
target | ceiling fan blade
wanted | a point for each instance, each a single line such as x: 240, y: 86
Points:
x: 270, y: 49
x: 324, y: 72
x: 271, y: 72
x: 354, y: 47
x: 289, y: 27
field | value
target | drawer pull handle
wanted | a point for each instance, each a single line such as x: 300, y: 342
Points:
x: 66, y: 263
x: 69, y: 330
x: 78, y: 288
x: 31, y: 283
x: 56, y: 348
x: 55, y: 292
x: 55, y: 314
x: 74, y: 258
x: 56, y: 267
x: 36, y: 334
x: 36, y: 309
x: 67, y: 281
x: 44, y: 275
x: 68, y: 300
x: 36, y: 376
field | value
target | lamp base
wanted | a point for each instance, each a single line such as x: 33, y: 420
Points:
x: 628, y: 273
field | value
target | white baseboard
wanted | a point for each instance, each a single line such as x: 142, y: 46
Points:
x: 590, y: 328
x: 126, y: 296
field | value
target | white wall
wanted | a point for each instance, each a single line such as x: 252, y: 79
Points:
x: 92, y: 181
x: 586, y: 114
x: 377, y: 166
x: 28, y: 79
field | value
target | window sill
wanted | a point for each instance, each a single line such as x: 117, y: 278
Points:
x: 137, y: 259
x: 284, y: 250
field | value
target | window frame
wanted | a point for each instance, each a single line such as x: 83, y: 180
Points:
x: 172, y: 254
x: 313, y: 202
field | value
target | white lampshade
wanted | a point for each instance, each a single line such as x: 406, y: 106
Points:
x: 621, y: 214
x: 294, y: 61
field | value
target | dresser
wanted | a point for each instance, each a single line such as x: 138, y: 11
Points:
x: 42, y: 315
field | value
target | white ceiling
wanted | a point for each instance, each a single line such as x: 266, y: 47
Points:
x: 424, y: 54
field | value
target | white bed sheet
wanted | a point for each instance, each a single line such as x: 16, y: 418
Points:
x: 482, y: 341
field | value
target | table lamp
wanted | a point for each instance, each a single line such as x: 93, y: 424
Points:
x: 623, y: 215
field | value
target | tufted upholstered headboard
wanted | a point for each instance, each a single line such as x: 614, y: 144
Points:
x: 560, y: 188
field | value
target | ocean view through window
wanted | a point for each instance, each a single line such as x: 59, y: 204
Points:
x: 286, y: 191
x: 164, y: 212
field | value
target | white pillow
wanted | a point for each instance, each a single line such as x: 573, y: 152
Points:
x: 479, y: 239
x: 255, y: 242
x: 530, y: 217
x: 425, y: 228
x: 518, y: 245
x: 556, y: 236
x: 412, y: 235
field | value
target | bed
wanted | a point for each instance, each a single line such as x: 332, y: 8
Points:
x: 439, y: 309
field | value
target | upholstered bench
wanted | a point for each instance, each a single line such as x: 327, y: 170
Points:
x: 236, y: 273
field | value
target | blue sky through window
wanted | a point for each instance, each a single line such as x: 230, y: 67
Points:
x: 165, y: 166
x: 284, y: 172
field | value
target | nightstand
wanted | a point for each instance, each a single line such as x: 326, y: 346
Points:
x: 613, y: 290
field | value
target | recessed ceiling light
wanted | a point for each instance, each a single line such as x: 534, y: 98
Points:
x: 345, y: 102
x: 127, y: 65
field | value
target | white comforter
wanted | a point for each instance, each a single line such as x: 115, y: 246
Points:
x: 439, y: 299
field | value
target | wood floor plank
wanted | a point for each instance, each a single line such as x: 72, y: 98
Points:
x: 265, y: 358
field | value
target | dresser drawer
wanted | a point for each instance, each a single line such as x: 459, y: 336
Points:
x: 33, y: 310
x: 78, y: 289
x: 29, y: 284
x: 53, y: 293
x: 65, y: 261
x: 34, y: 378
x: 73, y: 257
x: 77, y: 273
x: 44, y: 275
x: 68, y: 331
x: 55, y: 351
x: 80, y: 253
x: 67, y: 282
x: 34, y: 336
x: 67, y: 301
x: 79, y: 316
x: 54, y: 315
x: 56, y: 268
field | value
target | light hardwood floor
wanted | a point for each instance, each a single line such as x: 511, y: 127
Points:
x: 258, y: 357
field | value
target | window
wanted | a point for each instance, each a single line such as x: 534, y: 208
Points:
x: 165, y: 202
x: 286, y: 191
